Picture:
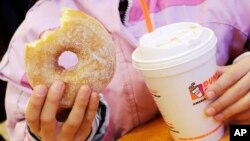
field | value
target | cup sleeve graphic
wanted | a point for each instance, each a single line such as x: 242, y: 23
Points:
x: 196, y: 91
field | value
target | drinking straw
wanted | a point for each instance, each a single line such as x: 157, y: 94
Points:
x: 146, y: 15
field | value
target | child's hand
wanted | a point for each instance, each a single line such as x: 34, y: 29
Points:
x: 42, y: 108
x: 233, y: 92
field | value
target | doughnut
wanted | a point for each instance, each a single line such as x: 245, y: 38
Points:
x: 88, y: 40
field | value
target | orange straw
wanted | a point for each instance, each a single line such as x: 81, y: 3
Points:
x: 146, y: 14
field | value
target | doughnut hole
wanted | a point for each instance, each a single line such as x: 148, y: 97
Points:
x: 67, y: 60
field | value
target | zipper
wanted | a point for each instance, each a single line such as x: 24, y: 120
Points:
x: 125, y: 20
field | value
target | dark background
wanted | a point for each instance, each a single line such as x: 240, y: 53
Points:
x: 12, y: 13
x: 234, y: 136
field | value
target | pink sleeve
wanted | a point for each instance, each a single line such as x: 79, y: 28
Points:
x: 229, y: 19
x: 12, y: 65
x: 15, y: 101
x: 44, y: 15
x: 35, y: 23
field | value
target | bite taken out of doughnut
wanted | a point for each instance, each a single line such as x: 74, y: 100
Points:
x: 83, y: 36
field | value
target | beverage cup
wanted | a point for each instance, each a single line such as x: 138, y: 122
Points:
x: 178, y: 63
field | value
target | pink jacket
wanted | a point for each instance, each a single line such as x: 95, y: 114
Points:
x: 127, y: 95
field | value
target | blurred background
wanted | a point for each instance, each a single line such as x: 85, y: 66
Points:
x: 12, y: 13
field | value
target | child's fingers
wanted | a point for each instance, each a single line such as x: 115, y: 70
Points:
x: 34, y: 108
x: 233, y: 94
x: 77, y: 113
x: 48, y: 115
x: 238, y: 107
x: 222, y: 69
x: 86, y: 125
x: 227, y: 79
x: 243, y: 116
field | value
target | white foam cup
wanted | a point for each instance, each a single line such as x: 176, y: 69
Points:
x: 178, y: 62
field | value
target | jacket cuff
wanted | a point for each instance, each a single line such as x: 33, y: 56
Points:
x: 32, y: 136
x: 101, y: 121
x: 99, y: 125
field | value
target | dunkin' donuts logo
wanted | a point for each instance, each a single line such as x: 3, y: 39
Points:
x: 197, y: 91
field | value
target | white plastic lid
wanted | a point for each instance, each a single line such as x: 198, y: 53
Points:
x: 172, y: 45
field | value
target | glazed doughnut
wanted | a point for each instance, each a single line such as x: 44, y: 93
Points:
x: 85, y: 37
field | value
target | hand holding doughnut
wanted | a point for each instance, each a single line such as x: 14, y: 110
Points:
x: 85, y: 37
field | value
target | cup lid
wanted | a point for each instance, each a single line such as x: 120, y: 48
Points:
x: 171, y: 45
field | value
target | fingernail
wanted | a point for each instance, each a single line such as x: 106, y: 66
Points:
x: 210, y: 95
x: 95, y: 94
x: 84, y: 91
x: 40, y: 90
x: 58, y: 86
x: 219, y: 117
x: 210, y: 111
